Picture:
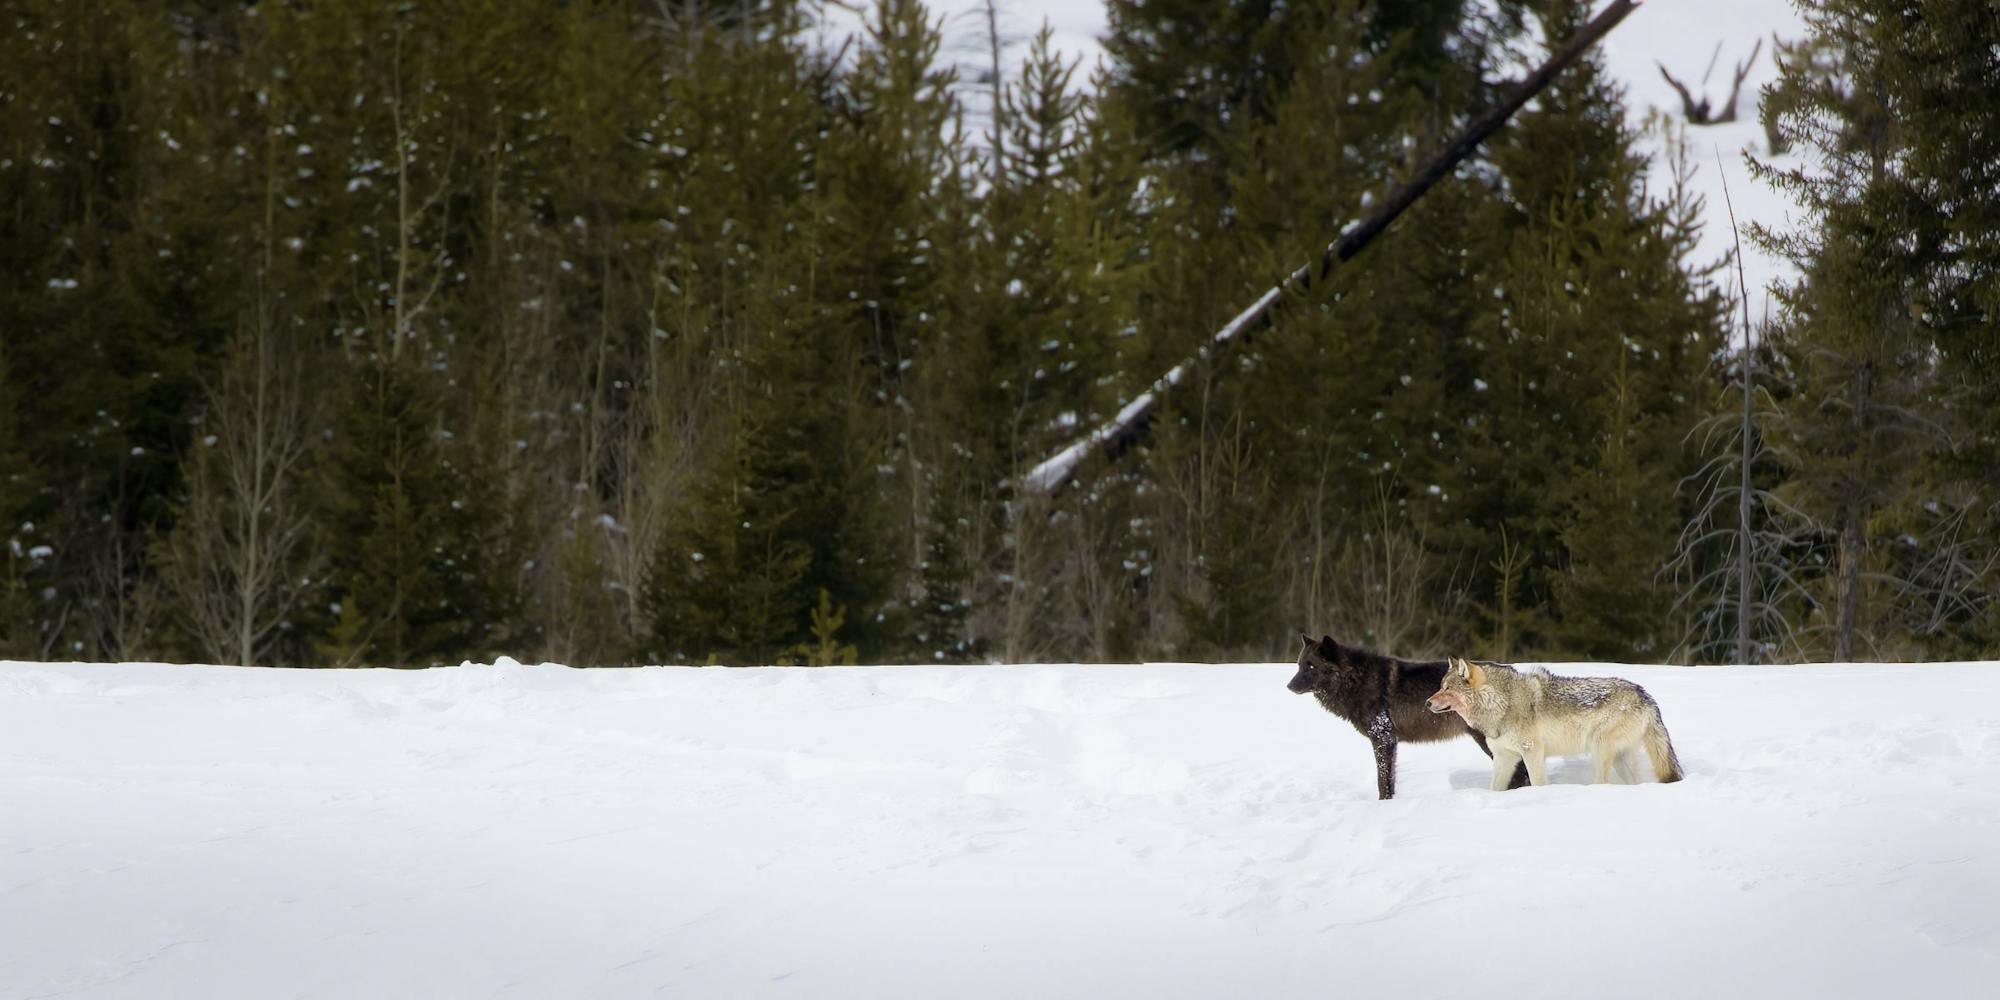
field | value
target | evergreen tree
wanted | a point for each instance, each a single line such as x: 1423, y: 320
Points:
x: 1892, y: 314
x: 1583, y: 374
x: 784, y: 513
x: 1332, y: 381
x: 1033, y: 292
x: 17, y: 492
x: 790, y: 497
x: 727, y: 585
x: 417, y: 572
x: 1940, y: 63
x: 1621, y: 523
x: 1198, y: 72
x: 110, y: 314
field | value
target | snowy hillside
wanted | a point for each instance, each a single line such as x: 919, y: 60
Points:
x: 1057, y: 831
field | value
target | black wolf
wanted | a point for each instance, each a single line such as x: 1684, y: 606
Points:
x: 1383, y: 697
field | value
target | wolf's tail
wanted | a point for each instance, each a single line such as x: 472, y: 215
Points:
x: 1660, y: 748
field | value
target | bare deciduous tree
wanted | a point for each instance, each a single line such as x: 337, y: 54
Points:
x: 236, y: 558
x: 1738, y: 589
x: 1384, y: 588
x: 1944, y: 566
x: 121, y: 601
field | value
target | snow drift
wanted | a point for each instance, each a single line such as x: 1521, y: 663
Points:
x: 1048, y: 831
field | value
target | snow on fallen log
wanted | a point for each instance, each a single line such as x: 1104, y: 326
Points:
x: 1057, y: 469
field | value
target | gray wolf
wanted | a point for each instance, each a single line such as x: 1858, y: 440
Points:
x: 1531, y: 715
x: 1383, y: 697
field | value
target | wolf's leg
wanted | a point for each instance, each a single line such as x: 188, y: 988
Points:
x: 1603, y: 757
x: 1538, y: 765
x: 1520, y: 771
x: 1385, y: 768
x: 1504, y: 763
x: 1628, y: 766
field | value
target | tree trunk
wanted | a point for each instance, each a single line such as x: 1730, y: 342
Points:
x: 1744, y: 537
x: 1850, y: 588
x: 999, y: 89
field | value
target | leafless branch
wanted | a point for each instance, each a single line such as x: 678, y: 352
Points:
x: 1698, y: 110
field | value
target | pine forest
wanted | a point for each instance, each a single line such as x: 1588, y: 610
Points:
x: 605, y: 332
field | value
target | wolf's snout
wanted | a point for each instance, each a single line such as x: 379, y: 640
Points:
x: 1437, y: 704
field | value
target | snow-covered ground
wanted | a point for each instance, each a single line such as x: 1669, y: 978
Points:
x: 1051, y: 831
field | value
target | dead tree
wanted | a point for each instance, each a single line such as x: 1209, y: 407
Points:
x: 1698, y: 111
x: 998, y: 85
x: 1130, y: 424
x: 1737, y: 588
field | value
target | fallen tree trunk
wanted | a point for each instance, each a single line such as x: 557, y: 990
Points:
x: 1131, y: 423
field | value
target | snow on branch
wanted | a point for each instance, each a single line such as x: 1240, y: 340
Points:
x: 1057, y: 469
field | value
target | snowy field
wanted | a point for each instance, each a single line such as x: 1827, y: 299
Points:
x: 1056, y: 831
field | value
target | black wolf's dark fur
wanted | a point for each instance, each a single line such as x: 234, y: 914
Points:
x: 1383, y: 697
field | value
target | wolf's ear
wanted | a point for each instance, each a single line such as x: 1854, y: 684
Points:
x: 1305, y: 639
x: 1468, y: 671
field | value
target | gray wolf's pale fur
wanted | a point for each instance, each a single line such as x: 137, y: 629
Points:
x: 1532, y: 715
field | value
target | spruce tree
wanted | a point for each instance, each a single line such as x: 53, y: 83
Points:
x: 1580, y: 378
x: 1891, y: 317
x: 789, y: 496
x: 1198, y: 72
x: 417, y: 572
x: 110, y: 308
x: 1036, y: 281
